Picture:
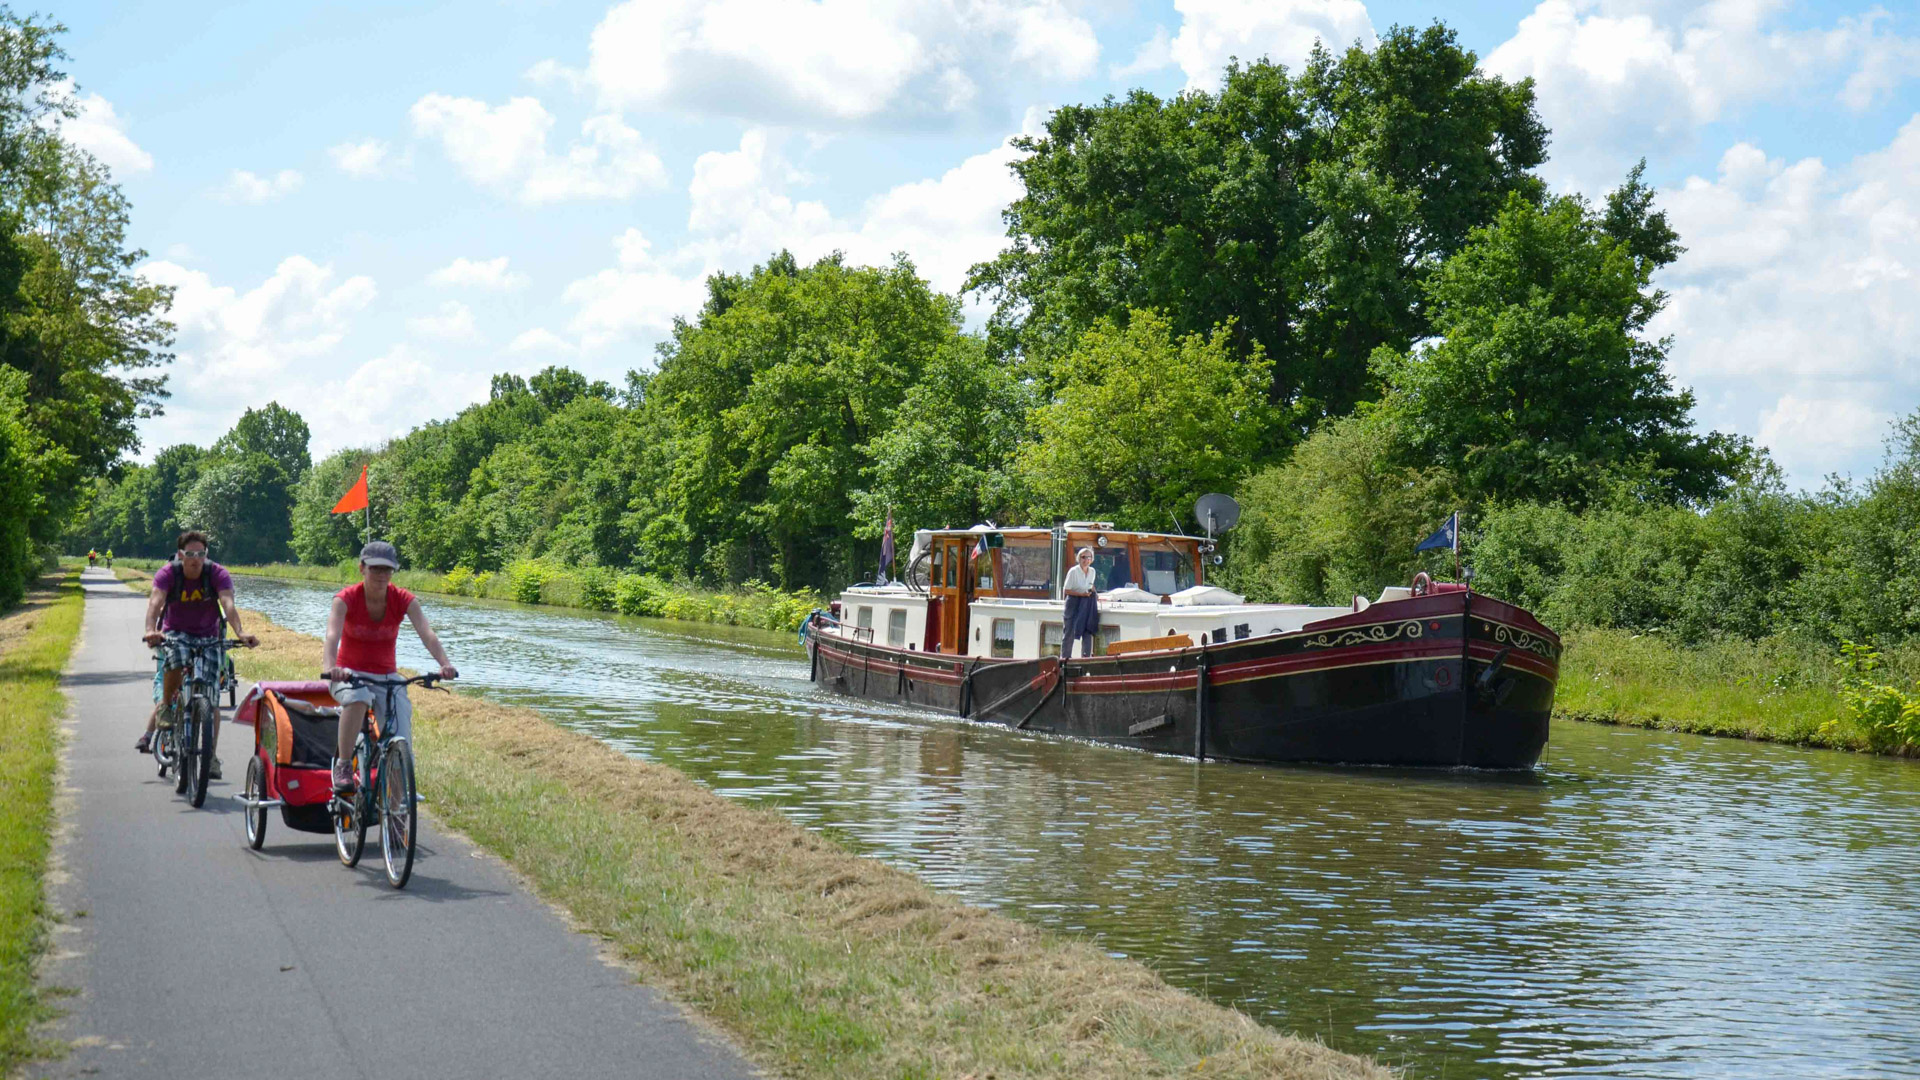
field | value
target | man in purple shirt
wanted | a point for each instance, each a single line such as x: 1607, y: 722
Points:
x: 188, y: 597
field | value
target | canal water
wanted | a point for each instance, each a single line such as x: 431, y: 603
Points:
x: 1643, y: 905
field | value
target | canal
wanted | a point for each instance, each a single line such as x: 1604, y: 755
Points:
x: 1645, y: 904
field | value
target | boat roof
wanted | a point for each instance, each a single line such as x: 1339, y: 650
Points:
x: 1043, y: 532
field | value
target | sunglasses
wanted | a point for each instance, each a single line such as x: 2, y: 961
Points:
x: 189, y: 554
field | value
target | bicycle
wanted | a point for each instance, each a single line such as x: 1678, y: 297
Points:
x: 385, y: 764
x: 185, y: 744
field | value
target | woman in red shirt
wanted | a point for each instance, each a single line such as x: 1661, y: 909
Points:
x: 361, y: 631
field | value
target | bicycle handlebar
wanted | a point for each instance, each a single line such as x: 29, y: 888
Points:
x: 357, y: 681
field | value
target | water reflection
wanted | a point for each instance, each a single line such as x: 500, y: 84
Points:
x: 1646, y: 905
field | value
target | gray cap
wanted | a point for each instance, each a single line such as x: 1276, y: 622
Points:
x: 380, y: 553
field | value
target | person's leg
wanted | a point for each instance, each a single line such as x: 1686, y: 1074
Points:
x: 352, y: 715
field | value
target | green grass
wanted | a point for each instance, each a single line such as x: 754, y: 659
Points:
x: 35, y: 641
x: 818, y: 963
x: 1779, y: 689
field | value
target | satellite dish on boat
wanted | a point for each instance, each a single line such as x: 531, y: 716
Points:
x: 1216, y: 513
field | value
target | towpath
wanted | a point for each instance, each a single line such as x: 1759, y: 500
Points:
x: 196, y: 957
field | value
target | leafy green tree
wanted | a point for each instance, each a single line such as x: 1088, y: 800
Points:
x: 1144, y: 422
x: 768, y: 394
x: 321, y: 536
x: 25, y: 460
x: 273, y: 430
x: 1305, y: 211
x: 1542, y: 385
x: 1339, y: 517
x: 946, y: 461
x: 242, y: 504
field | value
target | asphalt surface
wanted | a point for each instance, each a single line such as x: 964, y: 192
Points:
x: 196, y: 957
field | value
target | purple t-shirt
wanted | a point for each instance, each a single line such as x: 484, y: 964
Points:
x: 197, y: 610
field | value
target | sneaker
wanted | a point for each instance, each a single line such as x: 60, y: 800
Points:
x: 145, y: 745
x: 213, y: 770
x: 342, y: 777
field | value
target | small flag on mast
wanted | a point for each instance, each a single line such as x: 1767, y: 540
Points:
x: 356, y: 496
x: 1448, y: 537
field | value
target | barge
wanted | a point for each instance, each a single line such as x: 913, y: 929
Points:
x: 1431, y: 674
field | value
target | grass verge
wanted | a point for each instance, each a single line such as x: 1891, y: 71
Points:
x: 1776, y: 689
x: 819, y: 963
x: 35, y: 639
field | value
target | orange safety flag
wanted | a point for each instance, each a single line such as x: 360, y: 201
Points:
x: 356, y: 496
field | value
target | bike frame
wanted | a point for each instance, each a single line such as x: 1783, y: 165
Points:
x: 364, y: 805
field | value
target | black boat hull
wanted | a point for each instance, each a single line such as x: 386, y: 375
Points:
x: 1395, y: 685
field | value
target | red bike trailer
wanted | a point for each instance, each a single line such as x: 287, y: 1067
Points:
x: 295, y: 725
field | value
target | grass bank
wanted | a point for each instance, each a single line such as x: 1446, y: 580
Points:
x: 35, y: 640
x: 593, y: 588
x: 821, y: 964
x: 1777, y: 689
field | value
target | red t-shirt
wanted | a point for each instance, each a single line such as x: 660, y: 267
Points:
x: 367, y: 646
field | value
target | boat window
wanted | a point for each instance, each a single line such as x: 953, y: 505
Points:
x: 897, y: 627
x: 939, y: 563
x: 1027, y: 566
x: 983, y: 572
x: 1165, y: 568
x: 1111, y: 568
x: 864, y: 618
x: 1003, y: 637
x: 1242, y: 630
x: 1051, y: 634
x: 1108, y: 635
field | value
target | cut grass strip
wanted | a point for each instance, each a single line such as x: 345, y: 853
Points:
x: 818, y: 962
x: 35, y: 640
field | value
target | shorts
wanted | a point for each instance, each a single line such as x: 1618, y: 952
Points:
x: 401, y: 723
x: 170, y: 653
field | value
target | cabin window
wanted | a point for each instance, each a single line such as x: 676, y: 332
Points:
x: 1111, y: 568
x: 1003, y: 637
x: 983, y: 572
x: 1027, y: 566
x: 1051, y: 634
x: 939, y: 564
x: 1219, y: 634
x: 897, y: 627
x: 1242, y: 631
x: 864, y: 618
x: 1165, y: 568
x: 1108, y: 635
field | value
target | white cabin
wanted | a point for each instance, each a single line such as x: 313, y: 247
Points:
x: 995, y: 592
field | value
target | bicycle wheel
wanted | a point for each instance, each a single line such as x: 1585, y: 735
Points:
x: 398, y: 821
x: 163, y: 749
x: 256, y: 815
x: 201, y: 749
x: 349, y: 817
x: 183, y: 760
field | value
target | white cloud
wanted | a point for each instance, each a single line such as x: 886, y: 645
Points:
x: 742, y: 211
x: 1617, y: 80
x: 102, y: 132
x: 504, y: 148
x: 365, y: 159
x: 247, y: 187
x: 490, y: 274
x: 836, y: 61
x: 235, y: 349
x: 1152, y: 55
x: 386, y: 397
x: 453, y: 322
x: 1214, y: 31
x: 540, y: 340
x: 1797, y: 303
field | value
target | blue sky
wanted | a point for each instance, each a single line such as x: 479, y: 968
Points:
x: 366, y: 214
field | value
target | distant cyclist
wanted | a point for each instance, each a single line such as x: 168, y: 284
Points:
x: 109, y: 558
x: 188, y: 598
x: 361, y: 632
x: 93, y: 557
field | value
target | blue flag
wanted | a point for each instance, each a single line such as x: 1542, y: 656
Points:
x: 1448, y: 537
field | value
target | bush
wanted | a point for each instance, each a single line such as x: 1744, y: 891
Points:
x: 457, y: 581
x: 597, y: 588
x: 1890, y: 717
x: 639, y: 594
x: 525, y: 580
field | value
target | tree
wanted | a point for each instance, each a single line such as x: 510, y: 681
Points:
x: 277, y: 432
x: 767, y: 397
x: 242, y: 503
x: 1541, y: 385
x: 25, y: 461
x: 1144, y: 423
x: 1303, y: 210
x: 1339, y: 517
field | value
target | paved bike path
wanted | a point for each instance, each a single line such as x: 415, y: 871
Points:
x: 196, y: 957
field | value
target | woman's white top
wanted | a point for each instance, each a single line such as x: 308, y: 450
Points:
x: 1079, y: 579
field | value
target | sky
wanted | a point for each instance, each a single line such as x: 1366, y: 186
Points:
x: 366, y: 214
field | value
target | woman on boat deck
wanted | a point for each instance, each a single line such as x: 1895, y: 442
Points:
x: 1083, y: 607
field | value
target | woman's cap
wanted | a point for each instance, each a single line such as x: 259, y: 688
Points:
x: 380, y: 553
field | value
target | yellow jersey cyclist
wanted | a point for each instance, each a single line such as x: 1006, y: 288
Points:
x: 189, y: 596
x: 362, y: 629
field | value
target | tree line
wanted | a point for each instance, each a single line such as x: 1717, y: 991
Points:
x: 81, y: 335
x: 1343, y: 293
